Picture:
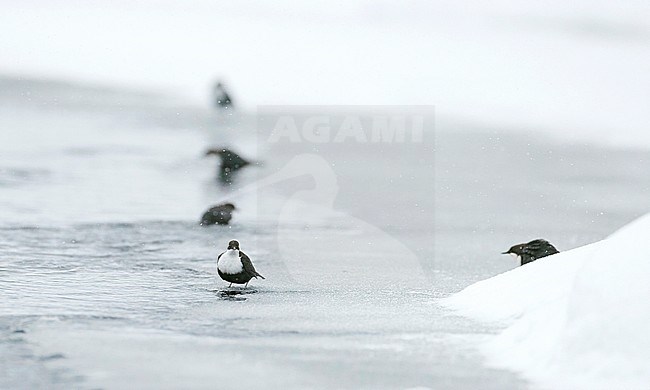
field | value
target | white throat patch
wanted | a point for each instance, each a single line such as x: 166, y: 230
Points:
x: 230, y: 263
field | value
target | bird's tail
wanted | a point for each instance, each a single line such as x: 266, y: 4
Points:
x: 258, y: 274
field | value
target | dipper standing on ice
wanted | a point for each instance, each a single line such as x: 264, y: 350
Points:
x: 235, y: 267
x: 218, y: 215
x: 532, y: 251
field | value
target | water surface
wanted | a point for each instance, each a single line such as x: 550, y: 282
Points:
x: 109, y: 282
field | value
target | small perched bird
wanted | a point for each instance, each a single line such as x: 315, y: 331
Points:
x: 235, y: 267
x: 532, y: 251
x: 218, y: 215
x: 221, y: 97
x: 230, y: 162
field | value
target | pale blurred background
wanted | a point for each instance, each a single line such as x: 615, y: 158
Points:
x: 578, y: 69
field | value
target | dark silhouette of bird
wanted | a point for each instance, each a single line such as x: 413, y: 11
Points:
x: 532, y: 251
x: 231, y: 162
x: 221, y: 97
x: 218, y: 215
x: 234, y: 266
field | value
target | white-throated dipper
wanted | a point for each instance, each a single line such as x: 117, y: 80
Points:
x: 532, y: 251
x: 235, y: 267
x: 218, y: 215
x: 230, y: 162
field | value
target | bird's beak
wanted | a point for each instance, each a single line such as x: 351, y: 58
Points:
x: 505, y: 253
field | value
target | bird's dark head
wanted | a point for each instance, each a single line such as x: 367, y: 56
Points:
x: 230, y: 206
x: 515, y: 250
x: 233, y: 244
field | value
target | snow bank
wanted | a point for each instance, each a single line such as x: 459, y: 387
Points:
x: 578, y: 319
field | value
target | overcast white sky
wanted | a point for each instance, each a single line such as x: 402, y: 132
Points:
x: 582, y: 66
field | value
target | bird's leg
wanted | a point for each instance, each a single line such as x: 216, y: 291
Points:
x: 246, y: 285
x: 230, y: 285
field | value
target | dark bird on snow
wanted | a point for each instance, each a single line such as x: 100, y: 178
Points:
x: 235, y: 267
x: 221, y: 97
x: 231, y: 162
x: 218, y: 215
x: 532, y: 251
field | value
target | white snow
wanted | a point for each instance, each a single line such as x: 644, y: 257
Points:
x: 229, y: 262
x: 578, y: 319
x: 575, y: 69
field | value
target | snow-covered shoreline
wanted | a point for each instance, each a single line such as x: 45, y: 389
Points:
x: 577, y: 319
